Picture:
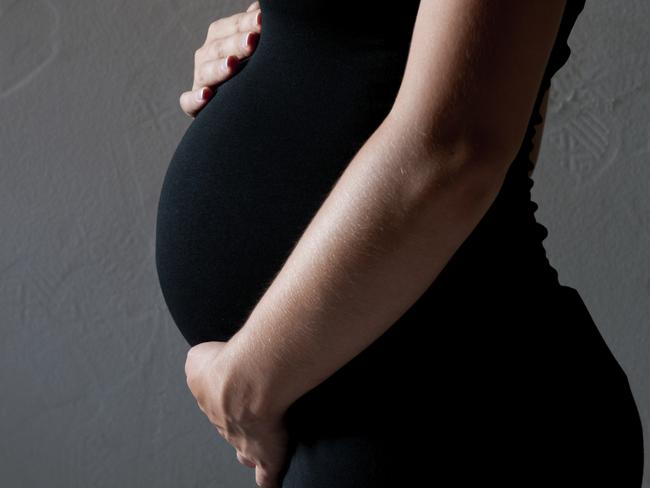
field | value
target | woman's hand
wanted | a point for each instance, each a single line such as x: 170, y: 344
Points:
x: 229, y: 40
x: 260, y: 442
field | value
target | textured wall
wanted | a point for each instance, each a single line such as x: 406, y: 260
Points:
x: 91, y: 366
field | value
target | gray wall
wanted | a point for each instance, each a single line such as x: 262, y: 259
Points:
x: 91, y: 366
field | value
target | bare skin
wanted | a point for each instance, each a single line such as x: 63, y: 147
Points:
x: 230, y: 40
x: 406, y: 202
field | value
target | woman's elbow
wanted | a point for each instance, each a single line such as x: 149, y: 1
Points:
x: 467, y: 155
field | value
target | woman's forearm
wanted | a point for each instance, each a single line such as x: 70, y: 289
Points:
x: 388, y: 227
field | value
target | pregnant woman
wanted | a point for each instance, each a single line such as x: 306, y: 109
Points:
x: 347, y: 239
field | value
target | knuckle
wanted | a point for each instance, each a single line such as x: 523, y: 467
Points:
x: 209, y: 72
x: 207, y: 50
x: 214, y: 26
x: 201, y: 75
x: 214, y: 50
x: 239, y: 21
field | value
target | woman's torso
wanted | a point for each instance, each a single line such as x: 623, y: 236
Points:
x: 495, y: 352
x: 257, y: 162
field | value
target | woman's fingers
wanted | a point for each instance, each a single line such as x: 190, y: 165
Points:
x: 229, y: 41
x: 212, y: 74
x: 208, y: 71
x: 215, y: 71
x: 241, y: 22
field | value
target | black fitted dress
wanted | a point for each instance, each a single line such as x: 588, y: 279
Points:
x: 497, y: 373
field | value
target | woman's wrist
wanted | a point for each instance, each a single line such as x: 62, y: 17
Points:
x: 248, y: 389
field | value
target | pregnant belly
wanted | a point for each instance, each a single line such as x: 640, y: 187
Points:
x: 247, y: 177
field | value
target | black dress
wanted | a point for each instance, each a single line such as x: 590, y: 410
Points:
x: 497, y: 373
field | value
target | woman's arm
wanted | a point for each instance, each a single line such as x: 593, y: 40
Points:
x: 408, y: 199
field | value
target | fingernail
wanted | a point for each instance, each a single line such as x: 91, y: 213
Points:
x: 258, y: 19
x: 226, y: 63
x: 247, y: 40
x: 202, y: 94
